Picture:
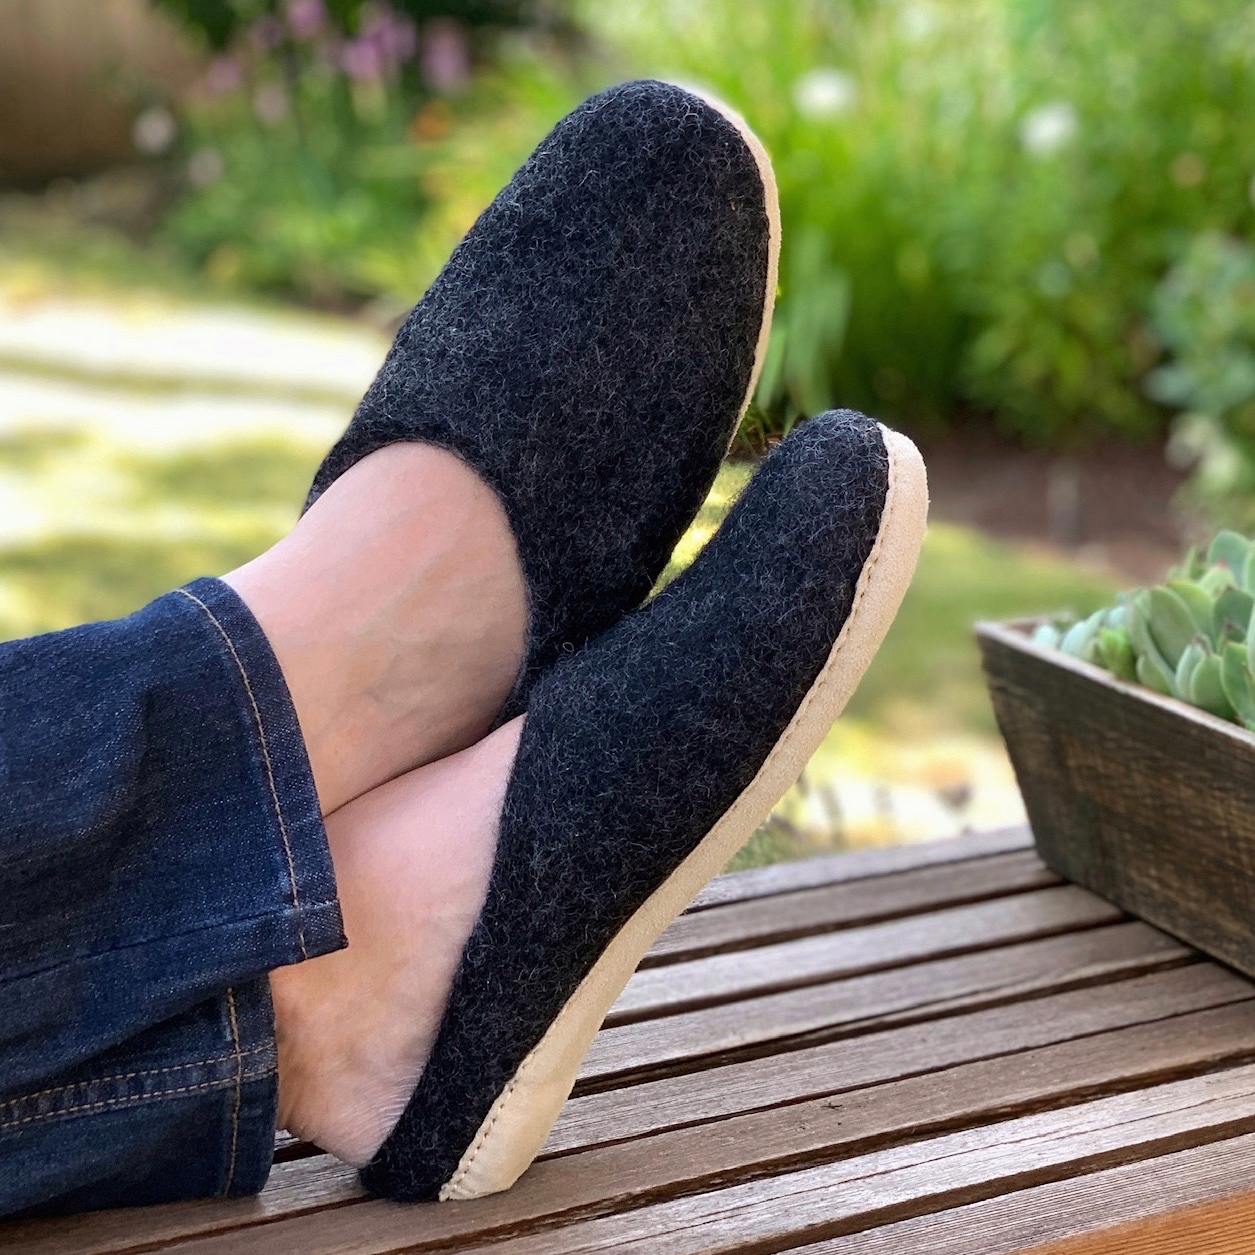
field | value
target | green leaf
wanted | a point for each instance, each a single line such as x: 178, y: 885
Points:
x: 1207, y: 689
x: 1232, y: 615
x: 1183, y: 677
x: 1197, y: 602
x: 1230, y: 550
x: 1079, y: 639
x: 1191, y: 567
x: 1235, y: 677
x: 1154, y: 675
x: 1118, y: 616
x: 1047, y: 635
x: 1171, y: 625
x: 1215, y: 580
x: 1144, y: 644
x: 1248, y: 572
x: 1115, y: 652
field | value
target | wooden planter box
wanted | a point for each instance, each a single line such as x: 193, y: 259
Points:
x: 1141, y: 798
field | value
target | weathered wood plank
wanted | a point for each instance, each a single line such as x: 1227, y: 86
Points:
x: 1099, y: 764
x: 855, y: 951
x: 831, y: 908
x: 813, y: 1071
x: 907, y: 1095
x: 1135, y: 1209
x: 615, y: 1178
x: 917, y: 1177
x: 828, y: 869
x: 1223, y: 1227
x: 920, y: 991
x: 784, y: 1134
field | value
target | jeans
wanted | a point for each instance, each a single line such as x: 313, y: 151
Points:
x: 161, y: 850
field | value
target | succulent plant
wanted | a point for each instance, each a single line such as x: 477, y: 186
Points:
x: 1192, y: 637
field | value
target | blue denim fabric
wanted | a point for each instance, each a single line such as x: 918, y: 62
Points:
x: 161, y: 850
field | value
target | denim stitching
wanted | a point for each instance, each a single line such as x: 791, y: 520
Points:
x: 134, y: 1098
x: 130, y: 1076
x: 267, y: 914
x: 265, y: 754
x: 239, y: 1078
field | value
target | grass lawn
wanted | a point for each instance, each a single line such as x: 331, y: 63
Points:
x: 94, y: 529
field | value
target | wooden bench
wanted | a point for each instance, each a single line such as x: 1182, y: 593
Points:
x: 933, y: 1050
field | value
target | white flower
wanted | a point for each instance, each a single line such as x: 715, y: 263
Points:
x: 205, y: 166
x: 824, y: 92
x: 154, y: 130
x: 917, y: 21
x: 1048, y: 128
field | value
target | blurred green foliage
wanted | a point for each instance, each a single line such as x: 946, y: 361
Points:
x: 306, y: 142
x: 980, y: 197
x: 1204, y: 313
x: 220, y: 22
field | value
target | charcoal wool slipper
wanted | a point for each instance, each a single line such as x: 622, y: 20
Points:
x: 647, y: 760
x: 590, y: 347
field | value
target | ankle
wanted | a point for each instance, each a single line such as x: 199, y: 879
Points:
x: 397, y: 611
x: 353, y: 1029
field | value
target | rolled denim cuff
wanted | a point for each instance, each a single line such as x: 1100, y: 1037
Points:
x: 307, y: 922
x: 165, y: 852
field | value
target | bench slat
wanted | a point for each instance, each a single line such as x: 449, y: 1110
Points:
x: 855, y: 951
x: 919, y: 1176
x: 686, y: 1041
x: 613, y: 1175
x: 934, y: 1049
x: 1129, y: 1210
x: 827, y: 869
x: 613, y: 1178
x: 831, y: 908
x: 729, y: 1089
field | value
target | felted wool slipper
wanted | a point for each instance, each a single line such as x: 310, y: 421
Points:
x: 590, y: 347
x: 646, y: 761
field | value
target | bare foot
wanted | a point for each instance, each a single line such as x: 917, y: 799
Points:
x: 354, y: 1028
x: 398, y: 611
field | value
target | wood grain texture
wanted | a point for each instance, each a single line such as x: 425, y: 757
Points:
x: 920, y: 1175
x: 959, y: 1057
x: 1134, y: 1029
x: 918, y: 992
x: 1157, y: 1199
x: 855, y: 951
x: 870, y: 864
x: 718, y: 1091
x: 1141, y: 798
x: 831, y: 908
x: 684, y: 1162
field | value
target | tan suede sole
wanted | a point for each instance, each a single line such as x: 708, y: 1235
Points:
x: 518, y: 1123
x: 771, y: 202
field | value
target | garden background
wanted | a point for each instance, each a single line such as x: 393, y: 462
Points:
x: 1021, y: 230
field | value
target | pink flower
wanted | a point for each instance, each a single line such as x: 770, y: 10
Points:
x: 445, y: 59
x: 361, y: 60
x: 393, y: 34
x: 306, y: 18
x: 223, y: 76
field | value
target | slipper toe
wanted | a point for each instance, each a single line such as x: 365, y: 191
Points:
x: 591, y: 345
